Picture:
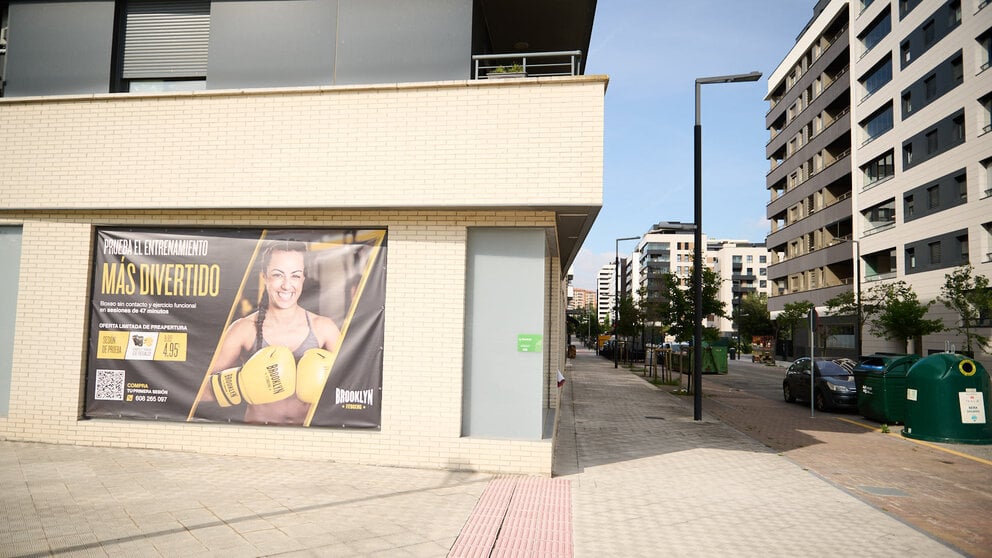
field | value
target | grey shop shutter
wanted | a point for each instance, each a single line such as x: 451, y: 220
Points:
x: 166, y: 39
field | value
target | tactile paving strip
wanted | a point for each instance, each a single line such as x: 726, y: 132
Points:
x: 519, y: 517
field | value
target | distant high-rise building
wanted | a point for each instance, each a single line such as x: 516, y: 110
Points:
x: 582, y: 299
x: 742, y: 268
x: 605, y: 293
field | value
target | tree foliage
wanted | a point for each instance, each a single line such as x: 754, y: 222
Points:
x: 753, y: 318
x: 901, y: 315
x: 629, y: 321
x: 792, y: 315
x: 675, y: 306
x: 970, y: 297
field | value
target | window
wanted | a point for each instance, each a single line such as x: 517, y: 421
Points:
x: 957, y: 71
x: 930, y: 87
x: 905, y: 53
x: 877, y: 124
x: 909, y: 206
x: 987, y: 174
x: 762, y: 271
x: 957, y: 128
x: 911, y: 258
x: 931, y: 142
x: 961, y: 181
x: 928, y: 33
x: 934, y: 248
x: 933, y: 197
x: 750, y: 259
x: 907, y: 103
x: 165, y: 45
x: 963, y: 248
x: 763, y: 284
x: 762, y: 259
x: 880, y: 216
x: 879, y: 169
x: 954, y: 13
x: 10, y: 254
x: 876, y: 31
x: 750, y: 271
x: 986, y: 109
x: 877, y: 77
x: 985, y: 50
x: 907, y: 155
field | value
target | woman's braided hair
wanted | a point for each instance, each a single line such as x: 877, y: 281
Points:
x: 263, y: 303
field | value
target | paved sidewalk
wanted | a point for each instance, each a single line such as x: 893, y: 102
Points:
x: 644, y: 479
x: 647, y: 480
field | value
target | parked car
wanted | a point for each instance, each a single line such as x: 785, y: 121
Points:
x: 833, y: 386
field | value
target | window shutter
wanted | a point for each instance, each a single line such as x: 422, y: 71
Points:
x: 166, y: 39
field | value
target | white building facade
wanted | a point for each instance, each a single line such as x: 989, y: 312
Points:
x: 922, y: 90
x: 881, y: 151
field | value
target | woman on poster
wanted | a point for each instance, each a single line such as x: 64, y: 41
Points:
x: 288, y: 348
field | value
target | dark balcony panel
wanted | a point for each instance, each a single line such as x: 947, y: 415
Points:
x: 818, y: 297
x: 840, y: 128
x: 837, y: 172
x: 820, y: 258
x: 63, y: 50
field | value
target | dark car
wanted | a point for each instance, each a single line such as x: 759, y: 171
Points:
x: 833, y: 388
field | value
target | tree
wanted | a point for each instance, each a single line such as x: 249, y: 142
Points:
x: 753, y: 318
x: 971, y: 298
x: 846, y: 304
x: 901, y: 315
x: 677, y: 302
x: 791, y: 316
x: 628, y: 322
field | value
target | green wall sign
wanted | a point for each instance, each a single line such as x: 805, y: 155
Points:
x: 530, y: 343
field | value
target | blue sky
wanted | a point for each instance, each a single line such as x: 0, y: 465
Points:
x: 653, y: 50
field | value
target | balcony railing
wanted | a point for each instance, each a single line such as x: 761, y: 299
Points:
x: 880, y: 276
x: 532, y: 64
x: 878, y: 228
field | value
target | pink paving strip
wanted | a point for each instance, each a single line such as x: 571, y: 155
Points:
x: 519, y: 517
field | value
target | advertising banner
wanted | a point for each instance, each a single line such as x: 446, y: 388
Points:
x: 232, y: 325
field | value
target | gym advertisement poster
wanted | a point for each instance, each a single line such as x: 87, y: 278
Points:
x: 258, y: 326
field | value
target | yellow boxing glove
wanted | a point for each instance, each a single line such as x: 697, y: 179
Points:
x: 268, y: 376
x: 311, y: 374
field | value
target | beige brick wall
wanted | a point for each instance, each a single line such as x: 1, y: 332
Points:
x: 447, y: 144
x: 422, y: 380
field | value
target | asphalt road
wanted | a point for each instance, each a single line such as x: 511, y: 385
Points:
x: 944, y: 490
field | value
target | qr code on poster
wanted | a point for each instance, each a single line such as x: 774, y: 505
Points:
x: 109, y: 385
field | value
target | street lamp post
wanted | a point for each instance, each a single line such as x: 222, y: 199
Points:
x: 858, y: 346
x: 616, y: 303
x: 697, y: 259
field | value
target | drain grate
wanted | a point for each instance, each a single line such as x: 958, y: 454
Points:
x: 655, y: 418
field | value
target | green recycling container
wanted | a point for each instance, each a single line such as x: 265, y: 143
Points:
x: 947, y: 400
x: 881, y: 383
x: 714, y: 358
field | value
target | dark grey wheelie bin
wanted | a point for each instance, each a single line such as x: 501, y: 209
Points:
x: 881, y: 384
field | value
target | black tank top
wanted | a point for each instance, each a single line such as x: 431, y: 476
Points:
x: 310, y: 342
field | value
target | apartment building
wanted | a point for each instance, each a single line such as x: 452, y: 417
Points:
x: 158, y: 157
x: 583, y: 299
x: 880, y: 168
x: 742, y: 268
x: 809, y: 150
x: 605, y: 293
x: 666, y: 248
x: 922, y: 91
